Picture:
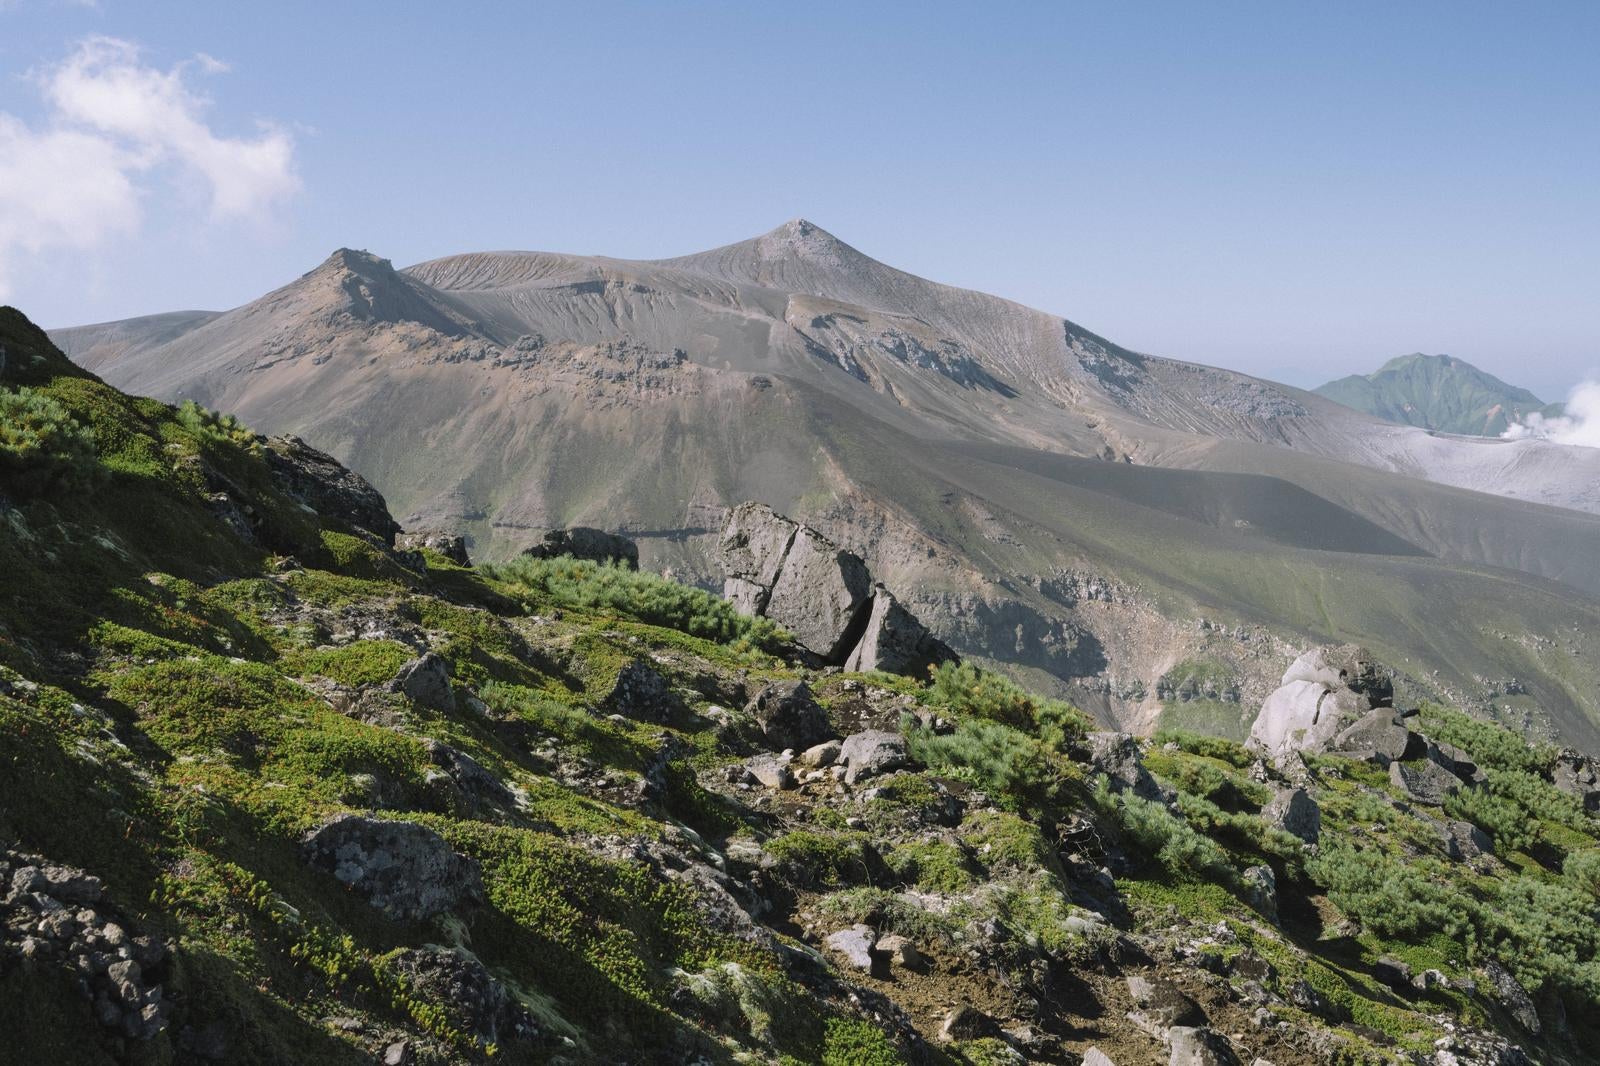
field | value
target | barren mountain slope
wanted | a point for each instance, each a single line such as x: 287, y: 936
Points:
x: 993, y: 462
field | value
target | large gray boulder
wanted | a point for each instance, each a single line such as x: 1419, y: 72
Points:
x: 820, y: 593
x: 1345, y: 666
x: 1424, y: 781
x: 825, y: 596
x: 754, y: 542
x: 405, y: 870
x: 584, y: 542
x: 1378, y: 736
x: 1292, y: 719
x: 895, y: 641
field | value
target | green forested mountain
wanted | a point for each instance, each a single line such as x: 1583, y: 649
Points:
x: 1437, y: 392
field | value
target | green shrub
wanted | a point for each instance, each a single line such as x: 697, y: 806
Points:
x: 1409, y: 900
x: 823, y: 859
x: 568, y: 582
x: 966, y: 691
x: 1157, y: 833
x: 1022, y: 772
x: 1490, y: 745
x: 206, y: 423
x: 932, y: 865
x: 42, y: 447
x: 1513, y: 807
x: 1582, y: 870
x: 1219, y: 748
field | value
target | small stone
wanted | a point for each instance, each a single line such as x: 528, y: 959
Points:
x: 967, y: 1022
x: 855, y: 944
x: 1192, y: 1046
x: 1164, y: 1003
x: 1392, y: 972
x: 771, y: 770
x: 1095, y: 1057
x: 820, y: 755
x: 397, y: 1054
x: 901, y: 951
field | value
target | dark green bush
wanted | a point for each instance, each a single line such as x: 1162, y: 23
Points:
x: 966, y: 691
x: 1022, y: 772
x: 42, y: 447
x: 569, y: 582
x: 1155, y: 832
x: 1490, y: 745
x: 1513, y: 807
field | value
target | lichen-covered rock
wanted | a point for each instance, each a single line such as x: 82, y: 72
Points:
x: 1576, y: 775
x: 404, y: 869
x: 872, y: 752
x: 788, y: 715
x: 470, y: 997
x: 1509, y: 994
x: 1261, y: 891
x: 426, y: 682
x: 1378, y: 736
x: 771, y: 770
x: 855, y: 945
x: 641, y: 693
x: 1464, y: 841
x: 1163, y: 1003
x: 1198, y: 1046
x: 474, y: 786
x: 583, y: 542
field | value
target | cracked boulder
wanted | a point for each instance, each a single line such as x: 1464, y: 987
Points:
x: 789, y: 716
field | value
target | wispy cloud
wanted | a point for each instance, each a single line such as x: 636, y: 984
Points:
x: 1578, y: 424
x: 118, y: 131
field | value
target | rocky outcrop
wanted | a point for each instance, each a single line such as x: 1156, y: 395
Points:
x: 583, y: 542
x: 322, y: 483
x: 1577, y: 776
x: 471, y: 998
x: 1323, y: 692
x: 426, y: 682
x: 404, y: 869
x: 57, y: 916
x: 779, y: 569
x: 452, y: 546
x: 1295, y: 812
x: 873, y: 752
x: 1118, y: 756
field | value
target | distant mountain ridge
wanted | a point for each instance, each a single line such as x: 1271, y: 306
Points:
x: 1119, y: 527
x: 1440, y: 393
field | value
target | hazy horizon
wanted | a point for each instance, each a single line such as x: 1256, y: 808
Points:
x: 1296, y: 194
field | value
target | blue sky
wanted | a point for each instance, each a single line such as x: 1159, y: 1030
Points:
x: 1293, y: 190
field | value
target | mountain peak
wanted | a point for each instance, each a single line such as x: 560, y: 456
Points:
x: 803, y: 238
x: 358, y: 261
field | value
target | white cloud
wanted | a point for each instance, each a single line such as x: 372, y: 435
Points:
x: 1579, y: 424
x: 115, y: 128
